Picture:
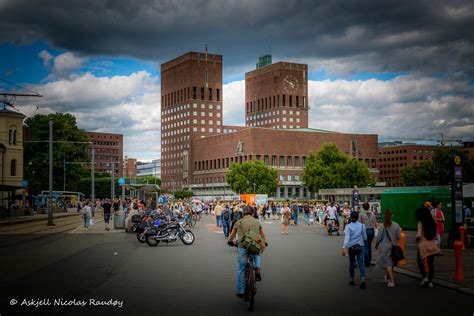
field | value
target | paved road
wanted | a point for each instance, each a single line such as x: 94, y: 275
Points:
x: 303, y: 274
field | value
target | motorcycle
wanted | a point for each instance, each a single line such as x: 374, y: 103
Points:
x: 169, y: 233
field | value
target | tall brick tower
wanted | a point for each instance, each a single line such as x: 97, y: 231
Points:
x: 191, y: 107
x: 276, y: 95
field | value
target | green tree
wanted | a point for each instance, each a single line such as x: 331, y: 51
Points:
x: 438, y: 170
x: 329, y: 168
x: 418, y: 175
x: 182, y: 194
x: 252, y: 175
x: 36, y: 153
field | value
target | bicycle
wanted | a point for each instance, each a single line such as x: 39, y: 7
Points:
x: 250, y: 283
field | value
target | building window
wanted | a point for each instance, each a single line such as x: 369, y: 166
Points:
x: 282, y: 161
x: 202, y: 93
x: 13, y: 168
x: 194, y: 93
x: 218, y: 96
x: 289, y: 161
x: 274, y: 160
x: 283, y: 97
x: 282, y: 178
x: 291, y: 101
x: 289, y: 177
x: 209, y: 91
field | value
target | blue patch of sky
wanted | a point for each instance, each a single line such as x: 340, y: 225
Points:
x: 323, y: 75
x: 233, y: 78
x: 21, y: 64
x: 119, y: 66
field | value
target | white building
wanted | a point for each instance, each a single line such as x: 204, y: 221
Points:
x: 152, y: 168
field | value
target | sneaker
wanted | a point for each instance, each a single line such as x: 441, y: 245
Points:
x: 430, y: 284
x: 424, y: 282
x: 352, y: 283
x: 240, y: 295
x: 362, y: 286
x: 391, y: 284
x: 258, y: 275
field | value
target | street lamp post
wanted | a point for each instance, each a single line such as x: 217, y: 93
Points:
x: 50, y: 214
x: 3, y: 149
x: 93, y: 183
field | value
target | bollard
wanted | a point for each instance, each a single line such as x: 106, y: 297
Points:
x: 401, y: 243
x: 461, y: 231
x: 458, y: 276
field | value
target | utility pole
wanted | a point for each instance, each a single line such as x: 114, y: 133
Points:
x: 93, y: 183
x: 50, y: 214
x: 64, y: 173
x: 112, y: 180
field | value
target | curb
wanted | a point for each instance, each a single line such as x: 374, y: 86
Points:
x: 30, y: 220
x: 442, y: 282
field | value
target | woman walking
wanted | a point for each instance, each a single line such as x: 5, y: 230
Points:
x: 427, y: 247
x: 285, y: 218
x: 354, y: 237
x: 439, y: 220
x: 387, y: 237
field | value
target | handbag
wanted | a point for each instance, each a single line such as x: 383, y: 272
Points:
x: 397, y: 252
x: 356, y: 249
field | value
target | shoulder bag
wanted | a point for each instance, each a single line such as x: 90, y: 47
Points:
x: 397, y: 252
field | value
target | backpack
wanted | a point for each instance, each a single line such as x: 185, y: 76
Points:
x: 226, y: 215
x: 253, y: 242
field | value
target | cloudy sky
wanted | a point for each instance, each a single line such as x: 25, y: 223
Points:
x: 401, y: 69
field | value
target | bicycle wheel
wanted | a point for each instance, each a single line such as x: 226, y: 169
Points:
x: 251, y: 291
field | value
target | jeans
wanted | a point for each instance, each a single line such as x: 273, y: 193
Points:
x: 218, y: 220
x: 360, y: 262
x: 295, y: 218
x: 368, y: 246
x: 87, y: 221
x: 306, y: 218
x: 241, y: 263
x: 226, y: 227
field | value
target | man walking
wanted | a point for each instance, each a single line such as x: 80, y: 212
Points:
x: 295, y: 211
x: 306, y: 212
x: 218, y: 213
x: 226, y: 220
x: 367, y: 218
x: 107, y: 206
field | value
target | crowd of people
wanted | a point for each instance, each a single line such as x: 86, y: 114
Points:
x: 361, y: 227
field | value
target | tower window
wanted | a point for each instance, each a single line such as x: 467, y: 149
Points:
x: 194, y: 93
x: 202, y: 93
x: 218, y: 97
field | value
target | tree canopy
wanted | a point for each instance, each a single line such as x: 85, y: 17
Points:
x: 438, y: 170
x: 329, y: 168
x: 252, y: 176
x: 36, y: 162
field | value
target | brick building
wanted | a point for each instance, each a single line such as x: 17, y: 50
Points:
x: 108, y: 150
x: 191, y: 99
x: 130, y: 167
x: 280, y: 149
x: 392, y: 158
x: 197, y: 149
x: 276, y: 96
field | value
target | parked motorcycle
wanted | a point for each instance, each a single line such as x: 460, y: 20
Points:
x: 169, y: 233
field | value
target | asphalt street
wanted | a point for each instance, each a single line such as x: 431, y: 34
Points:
x: 303, y: 274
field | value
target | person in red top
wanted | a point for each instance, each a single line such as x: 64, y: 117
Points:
x: 438, y: 217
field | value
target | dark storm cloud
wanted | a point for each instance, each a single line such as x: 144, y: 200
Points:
x: 340, y: 36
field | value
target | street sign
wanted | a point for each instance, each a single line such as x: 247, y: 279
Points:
x: 121, y: 181
x: 355, y: 195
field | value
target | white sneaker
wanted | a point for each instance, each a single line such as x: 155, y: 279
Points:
x: 424, y: 281
x: 391, y: 284
x: 430, y: 284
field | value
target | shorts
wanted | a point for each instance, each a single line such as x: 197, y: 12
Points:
x: 107, y: 218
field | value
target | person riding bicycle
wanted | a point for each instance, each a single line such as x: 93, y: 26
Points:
x: 248, y: 222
